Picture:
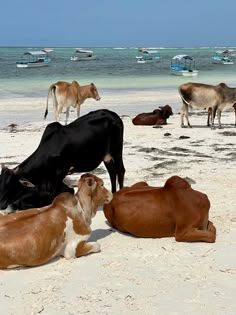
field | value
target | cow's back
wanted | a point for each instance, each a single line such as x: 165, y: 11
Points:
x: 146, y: 211
x: 98, y: 133
x: 198, y: 94
x: 141, y: 211
x: 31, y: 237
x: 145, y: 119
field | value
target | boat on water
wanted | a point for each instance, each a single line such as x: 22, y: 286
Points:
x: 183, y: 65
x: 49, y: 54
x: 34, y: 59
x: 83, y: 55
x: 224, y: 57
x: 146, y: 56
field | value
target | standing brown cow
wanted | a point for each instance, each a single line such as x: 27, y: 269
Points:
x: 217, y: 97
x: 67, y: 94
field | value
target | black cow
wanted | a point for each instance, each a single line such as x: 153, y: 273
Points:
x: 78, y: 147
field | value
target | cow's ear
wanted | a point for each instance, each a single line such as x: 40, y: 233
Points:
x: 26, y: 183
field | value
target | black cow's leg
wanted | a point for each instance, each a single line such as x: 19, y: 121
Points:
x: 121, y: 174
x: 110, y: 166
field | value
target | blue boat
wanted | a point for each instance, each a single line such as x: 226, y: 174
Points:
x: 224, y: 57
x: 34, y: 59
x: 183, y: 65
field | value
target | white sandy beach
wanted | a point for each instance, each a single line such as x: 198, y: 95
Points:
x: 135, y: 276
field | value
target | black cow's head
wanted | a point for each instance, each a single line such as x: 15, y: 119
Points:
x: 12, y: 186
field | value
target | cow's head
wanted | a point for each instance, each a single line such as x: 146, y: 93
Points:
x: 92, y: 187
x: 94, y: 92
x: 166, y: 110
x: 12, y: 186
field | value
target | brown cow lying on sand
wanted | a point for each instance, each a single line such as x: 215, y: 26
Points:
x: 35, y: 236
x: 173, y: 210
x: 67, y: 94
x: 157, y: 117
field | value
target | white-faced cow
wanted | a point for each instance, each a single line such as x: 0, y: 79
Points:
x: 35, y: 236
x: 173, y: 210
x: 217, y: 97
x: 65, y: 94
x: 78, y: 147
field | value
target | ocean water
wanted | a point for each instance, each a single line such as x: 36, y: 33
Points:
x: 115, y: 69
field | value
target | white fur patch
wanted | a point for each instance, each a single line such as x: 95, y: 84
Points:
x: 72, y: 240
x: 107, y: 158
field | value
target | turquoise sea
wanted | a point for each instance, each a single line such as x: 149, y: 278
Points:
x: 114, y: 69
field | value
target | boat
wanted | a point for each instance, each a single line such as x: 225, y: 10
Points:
x: 83, y: 55
x: 33, y: 59
x: 49, y: 54
x: 224, y: 57
x: 183, y: 65
x: 146, y: 56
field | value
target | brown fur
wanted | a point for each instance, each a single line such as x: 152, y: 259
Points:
x: 67, y: 94
x: 173, y: 210
x: 33, y: 237
x: 157, y: 117
x: 217, y: 98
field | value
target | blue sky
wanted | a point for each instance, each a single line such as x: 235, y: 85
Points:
x: 120, y: 23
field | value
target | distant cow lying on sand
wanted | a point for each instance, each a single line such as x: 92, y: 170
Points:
x: 157, y: 117
x: 67, y: 94
x: 173, y: 210
x: 217, y: 97
x: 35, y: 236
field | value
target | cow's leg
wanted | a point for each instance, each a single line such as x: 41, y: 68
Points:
x: 84, y: 248
x: 234, y: 107
x: 209, y: 116
x: 78, y: 111
x: 213, y: 115
x: 219, y: 117
x: 184, y: 113
x: 58, y: 113
x: 121, y: 175
x: 67, y: 114
x: 192, y: 234
x: 110, y: 166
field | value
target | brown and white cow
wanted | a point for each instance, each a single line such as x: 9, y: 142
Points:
x: 67, y: 94
x: 217, y: 97
x: 157, y: 117
x: 173, y: 210
x: 35, y: 236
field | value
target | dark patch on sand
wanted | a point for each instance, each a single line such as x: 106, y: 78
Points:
x: 228, y: 133
x: 164, y: 164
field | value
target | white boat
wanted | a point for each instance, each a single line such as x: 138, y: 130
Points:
x: 183, y: 65
x: 224, y: 57
x: 146, y: 56
x: 82, y: 55
x: 33, y: 59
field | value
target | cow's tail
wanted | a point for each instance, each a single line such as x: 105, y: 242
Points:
x: 182, y: 97
x: 50, y: 91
